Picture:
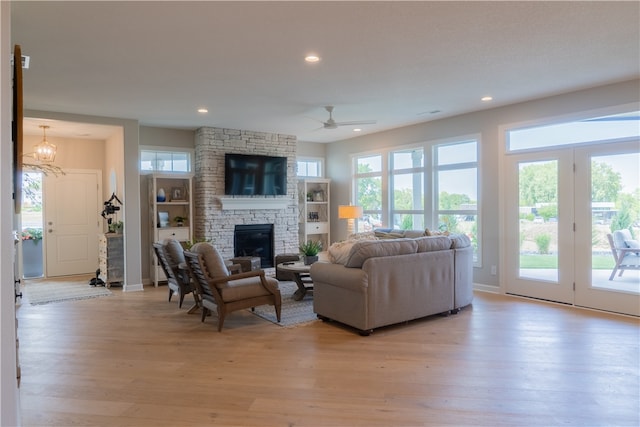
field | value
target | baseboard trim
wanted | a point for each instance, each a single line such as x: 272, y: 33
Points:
x: 486, y: 288
x: 133, y: 288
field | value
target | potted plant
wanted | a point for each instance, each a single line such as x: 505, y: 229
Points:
x: 32, y: 256
x: 310, y: 251
x: 180, y: 220
x: 116, y: 227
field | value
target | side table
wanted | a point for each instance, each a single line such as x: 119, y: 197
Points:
x: 301, y: 276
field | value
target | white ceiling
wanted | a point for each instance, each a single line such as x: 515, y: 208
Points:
x: 393, y: 62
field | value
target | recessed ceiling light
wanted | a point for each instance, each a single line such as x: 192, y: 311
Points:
x: 311, y: 58
x: 357, y: 130
x: 202, y: 110
x: 486, y: 98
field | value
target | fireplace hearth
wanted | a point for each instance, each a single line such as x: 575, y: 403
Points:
x: 254, y: 240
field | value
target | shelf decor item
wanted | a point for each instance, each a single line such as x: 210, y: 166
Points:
x: 161, y: 197
x: 163, y: 219
x: 177, y: 194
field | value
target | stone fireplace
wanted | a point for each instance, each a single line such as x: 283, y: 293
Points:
x: 216, y: 221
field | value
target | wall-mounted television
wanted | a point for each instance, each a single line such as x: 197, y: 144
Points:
x: 250, y: 175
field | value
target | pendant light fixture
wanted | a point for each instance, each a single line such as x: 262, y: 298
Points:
x: 45, y: 152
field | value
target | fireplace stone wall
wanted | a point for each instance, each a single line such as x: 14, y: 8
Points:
x: 215, y: 224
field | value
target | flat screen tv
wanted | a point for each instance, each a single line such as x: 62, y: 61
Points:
x: 251, y: 175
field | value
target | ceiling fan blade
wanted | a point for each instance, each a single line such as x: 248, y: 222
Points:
x: 357, y: 122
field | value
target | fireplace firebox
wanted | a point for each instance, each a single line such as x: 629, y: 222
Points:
x: 254, y: 240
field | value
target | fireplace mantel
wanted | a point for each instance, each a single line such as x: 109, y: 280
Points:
x: 235, y: 203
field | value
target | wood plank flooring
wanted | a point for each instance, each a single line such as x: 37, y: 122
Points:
x: 134, y: 359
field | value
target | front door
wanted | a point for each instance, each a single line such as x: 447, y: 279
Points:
x: 72, y: 222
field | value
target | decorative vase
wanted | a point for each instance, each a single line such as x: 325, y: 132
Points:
x: 161, y: 197
x: 310, y: 259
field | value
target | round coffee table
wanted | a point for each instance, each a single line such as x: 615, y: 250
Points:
x: 301, y: 276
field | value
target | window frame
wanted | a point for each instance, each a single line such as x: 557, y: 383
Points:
x: 309, y: 159
x: 160, y: 149
x: 430, y: 170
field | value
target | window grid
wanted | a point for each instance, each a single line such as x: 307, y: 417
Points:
x: 396, y: 192
x: 165, y: 161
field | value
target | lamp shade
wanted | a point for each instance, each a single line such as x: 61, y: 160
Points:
x: 349, y: 212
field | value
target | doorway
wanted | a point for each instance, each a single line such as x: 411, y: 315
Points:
x: 560, y: 205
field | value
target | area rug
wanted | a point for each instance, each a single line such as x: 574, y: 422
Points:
x: 293, y: 313
x: 44, y: 292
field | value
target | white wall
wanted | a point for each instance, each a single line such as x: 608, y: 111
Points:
x: 486, y: 123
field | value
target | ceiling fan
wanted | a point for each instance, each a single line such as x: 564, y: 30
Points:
x: 332, y: 124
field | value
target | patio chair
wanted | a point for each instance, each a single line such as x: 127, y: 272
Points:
x: 224, y: 292
x: 625, y: 250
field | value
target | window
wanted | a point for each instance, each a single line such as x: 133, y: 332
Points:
x: 597, y: 129
x: 165, y: 160
x: 456, y: 189
x: 407, y: 188
x: 368, y: 190
x: 310, y: 168
x: 401, y: 189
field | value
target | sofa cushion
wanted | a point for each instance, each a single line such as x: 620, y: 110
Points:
x: 365, y: 249
x: 393, y: 234
x: 459, y: 241
x: 433, y: 243
x: 414, y: 234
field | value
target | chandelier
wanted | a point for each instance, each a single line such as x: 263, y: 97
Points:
x: 45, y: 151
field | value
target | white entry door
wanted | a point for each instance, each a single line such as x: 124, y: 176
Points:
x: 72, y: 222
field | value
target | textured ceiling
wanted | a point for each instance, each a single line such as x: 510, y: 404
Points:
x: 393, y: 62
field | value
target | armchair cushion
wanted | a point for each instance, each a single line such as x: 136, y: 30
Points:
x: 215, y: 265
x: 235, y: 290
x: 633, y: 244
x: 174, y: 251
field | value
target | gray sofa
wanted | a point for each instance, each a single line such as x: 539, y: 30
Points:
x: 383, y: 282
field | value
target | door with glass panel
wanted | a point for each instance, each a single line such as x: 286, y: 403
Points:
x: 607, y: 198
x: 561, y: 206
x: 539, y: 225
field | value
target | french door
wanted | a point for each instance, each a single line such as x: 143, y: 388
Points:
x: 560, y: 205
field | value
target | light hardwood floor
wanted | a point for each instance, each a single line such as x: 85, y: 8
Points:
x: 133, y: 359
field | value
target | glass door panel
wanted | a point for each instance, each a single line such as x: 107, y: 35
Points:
x: 539, y: 225
x: 607, y: 199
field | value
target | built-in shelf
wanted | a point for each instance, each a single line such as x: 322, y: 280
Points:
x: 234, y: 203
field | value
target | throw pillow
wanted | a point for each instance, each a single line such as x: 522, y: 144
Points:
x: 365, y: 235
x: 339, y: 251
x: 435, y: 232
x: 633, y: 244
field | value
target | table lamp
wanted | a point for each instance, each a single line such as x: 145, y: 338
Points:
x: 350, y: 213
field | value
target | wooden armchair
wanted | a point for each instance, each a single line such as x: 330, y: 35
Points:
x: 224, y: 292
x: 170, y: 255
x: 625, y: 250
